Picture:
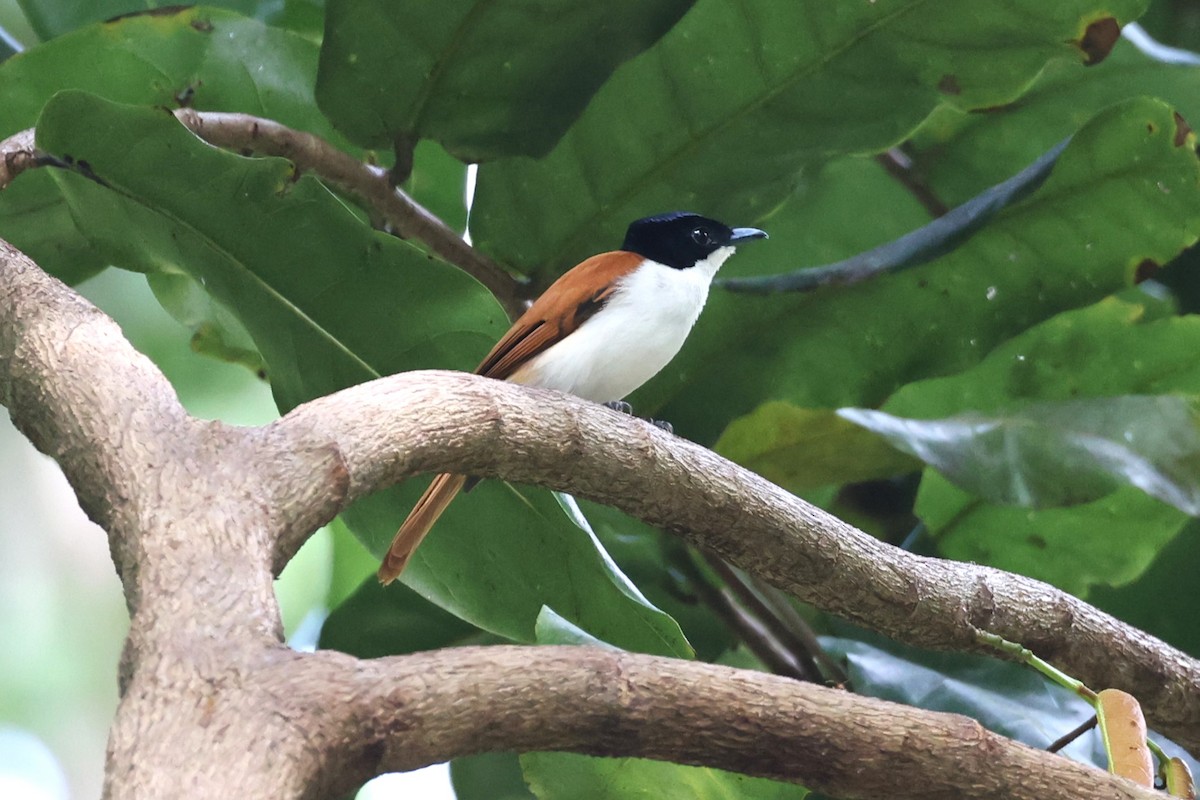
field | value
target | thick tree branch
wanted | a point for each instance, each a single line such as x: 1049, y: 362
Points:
x: 198, y: 511
x: 600, y: 702
x: 443, y: 421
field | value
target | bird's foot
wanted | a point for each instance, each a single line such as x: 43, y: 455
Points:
x: 620, y: 406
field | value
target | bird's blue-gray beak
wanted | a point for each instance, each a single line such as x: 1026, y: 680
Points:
x: 743, y: 234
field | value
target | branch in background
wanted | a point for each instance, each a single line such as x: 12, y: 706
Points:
x: 897, y: 164
x: 370, y: 183
x: 926, y: 243
x: 787, y: 614
x: 798, y: 648
x: 758, y: 638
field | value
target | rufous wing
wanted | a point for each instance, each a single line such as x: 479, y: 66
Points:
x: 569, y: 302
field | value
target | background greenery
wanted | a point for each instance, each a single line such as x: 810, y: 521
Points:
x: 1057, y: 381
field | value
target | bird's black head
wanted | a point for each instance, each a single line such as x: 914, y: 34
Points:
x: 679, y: 239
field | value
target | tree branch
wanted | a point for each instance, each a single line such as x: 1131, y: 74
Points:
x: 600, y: 702
x: 373, y: 185
x: 452, y: 422
x: 198, y: 511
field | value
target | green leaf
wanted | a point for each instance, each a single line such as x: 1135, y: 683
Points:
x: 723, y: 114
x: 552, y: 628
x: 216, y: 331
x: 803, y: 448
x: 1046, y: 455
x: 489, y: 776
x: 1110, y: 541
x: 1155, y: 600
x: 500, y: 553
x: 215, y: 59
x: 959, y: 153
x: 330, y: 303
x: 653, y: 560
x: 566, y: 775
x: 1117, y: 346
x: 376, y: 621
x: 352, y: 564
x: 1122, y: 194
x: 484, y: 79
x: 279, y: 278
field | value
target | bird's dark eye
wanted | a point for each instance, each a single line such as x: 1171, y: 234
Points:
x: 701, y: 237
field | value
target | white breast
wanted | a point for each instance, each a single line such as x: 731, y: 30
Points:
x: 639, y: 330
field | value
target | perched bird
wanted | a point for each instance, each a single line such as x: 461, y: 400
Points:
x: 600, y: 331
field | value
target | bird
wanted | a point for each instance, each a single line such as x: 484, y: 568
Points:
x: 600, y: 331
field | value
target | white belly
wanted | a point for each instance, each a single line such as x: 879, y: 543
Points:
x: 631, y: 339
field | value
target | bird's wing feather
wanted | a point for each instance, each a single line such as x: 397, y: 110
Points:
x: 568, y: 303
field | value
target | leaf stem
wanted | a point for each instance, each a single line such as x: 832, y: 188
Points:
x: 1026, y: 656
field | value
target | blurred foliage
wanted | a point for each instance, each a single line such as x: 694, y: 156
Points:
x: 759, y: 113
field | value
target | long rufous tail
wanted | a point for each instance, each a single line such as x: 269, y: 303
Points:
x: 420, y: 520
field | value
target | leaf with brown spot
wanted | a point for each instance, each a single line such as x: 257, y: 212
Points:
x: 1145, y: 270
x: 1098, y: 40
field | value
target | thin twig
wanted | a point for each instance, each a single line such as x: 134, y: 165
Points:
x: 1067, y: 738
x: 373, y: 184
x: 757, y: 637
x: 937, y: 238
x: 899, y: 166
x: 780, y: 633
x: 798, y: 626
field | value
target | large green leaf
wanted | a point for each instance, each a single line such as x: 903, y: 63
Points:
x: 573, y: 777
x: 377, y: 621
x: 1110, y: 541
x: 330, y: 303
x: 725, y: 111
x: 1123, y: 193
x: 229, y: 63
x: 485, y: 79
x: 1112, y: 348
x: 960, y: 153
x: 1045, y: 455
x: 803, y: 448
